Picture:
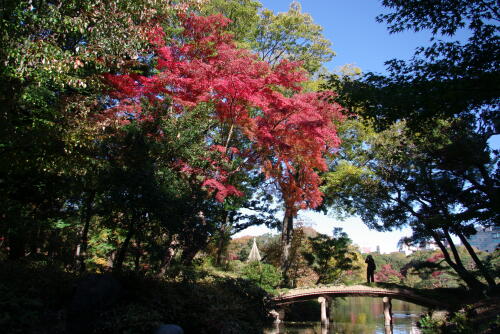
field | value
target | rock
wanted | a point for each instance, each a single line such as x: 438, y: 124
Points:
x: 169, y: 329
x: 439, y: 315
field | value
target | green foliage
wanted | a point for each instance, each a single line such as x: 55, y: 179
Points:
x: 397, y: 260
x: 244, y: 15
x: 429, y: 325
x: 266, y: 276
x: 53, y: 55
x: 444, y: 96
x: 391, y: 179
x: 291, y: 35
x: 72, y: 178
x: 459, y: 322
x: 330, y: 258
x: 492, y: 262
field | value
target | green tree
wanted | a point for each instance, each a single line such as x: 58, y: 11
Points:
x: 445, y: 95
x: 330, y: 257
x: 391, y: 181
x: 265, y: 275
x: 291, y: 35
x: 451, y: 81
x: 244, y: 15
x: 52, y: 56
x: 445, y: 79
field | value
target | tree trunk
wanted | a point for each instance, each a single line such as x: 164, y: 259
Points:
x: 17, y: 245
x: 286, y: 245
x: 188, y: 254
x: 86, y: 216
x: 221, y: 245
x: 35, y: 238
x: 453, y: 248
x: 220, y: 250
x: 477, y: 261
x: 167, y: 258
x: 138, y: 254
x: 53, y: 244
x: 117, y: 266
x: 193, y: 242
x: 471, y: 282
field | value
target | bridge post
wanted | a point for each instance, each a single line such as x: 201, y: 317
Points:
x: 279, y: 315
x: 387, y: 311
x: 324, y: 315
x: 329, y: 305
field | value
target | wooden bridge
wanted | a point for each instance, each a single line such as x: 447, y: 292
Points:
x: 295, y: 295
x: 325, y: 294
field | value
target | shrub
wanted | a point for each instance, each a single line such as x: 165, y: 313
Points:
x: 264, y: 275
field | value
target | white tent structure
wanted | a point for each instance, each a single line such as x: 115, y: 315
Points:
x: 254, y: 253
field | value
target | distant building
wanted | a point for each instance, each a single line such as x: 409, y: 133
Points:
x: 428, y: 245
x: 407, y: 250
x: 486, y: 239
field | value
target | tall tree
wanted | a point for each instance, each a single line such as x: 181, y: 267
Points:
x: 286, y: 135
x: 244, y: 16
x: 290, y: 35
x: 447, y: 97
x: 52, y: 54
x: 52, y: 58
x: 390, y: 182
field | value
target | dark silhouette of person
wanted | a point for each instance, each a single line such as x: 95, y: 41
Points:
x: 370, y: 271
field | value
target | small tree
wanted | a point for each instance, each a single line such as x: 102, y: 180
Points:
x: 265, y: 275
x: 388, y: 274
x: 330, y: 257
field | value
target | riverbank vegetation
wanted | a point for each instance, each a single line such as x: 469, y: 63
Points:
x: 138, y: 136
x: 420, y: 269
x: 40, y: 297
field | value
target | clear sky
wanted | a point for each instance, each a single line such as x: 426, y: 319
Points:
x: 359, y: 40
x: 355, y: 35
x: 361, y: 235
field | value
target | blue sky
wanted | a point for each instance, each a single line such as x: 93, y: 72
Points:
x: 359, y: 40
x: 355, y: 35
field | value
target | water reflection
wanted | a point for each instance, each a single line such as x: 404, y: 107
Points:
x: 359, y: 315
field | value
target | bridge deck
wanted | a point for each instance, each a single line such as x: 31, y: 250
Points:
x: 358, y: 290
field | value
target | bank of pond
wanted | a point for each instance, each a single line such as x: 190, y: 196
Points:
x: 41, y: 299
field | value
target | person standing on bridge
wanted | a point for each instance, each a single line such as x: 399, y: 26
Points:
x: 370, y: 270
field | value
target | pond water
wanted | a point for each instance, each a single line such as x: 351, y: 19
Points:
x: 359, y: 315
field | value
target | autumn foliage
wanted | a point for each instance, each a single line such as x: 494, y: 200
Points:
x: 388, y: 274
x: 287, y: 131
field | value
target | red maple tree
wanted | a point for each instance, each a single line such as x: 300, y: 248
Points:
x: 289, y: 131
